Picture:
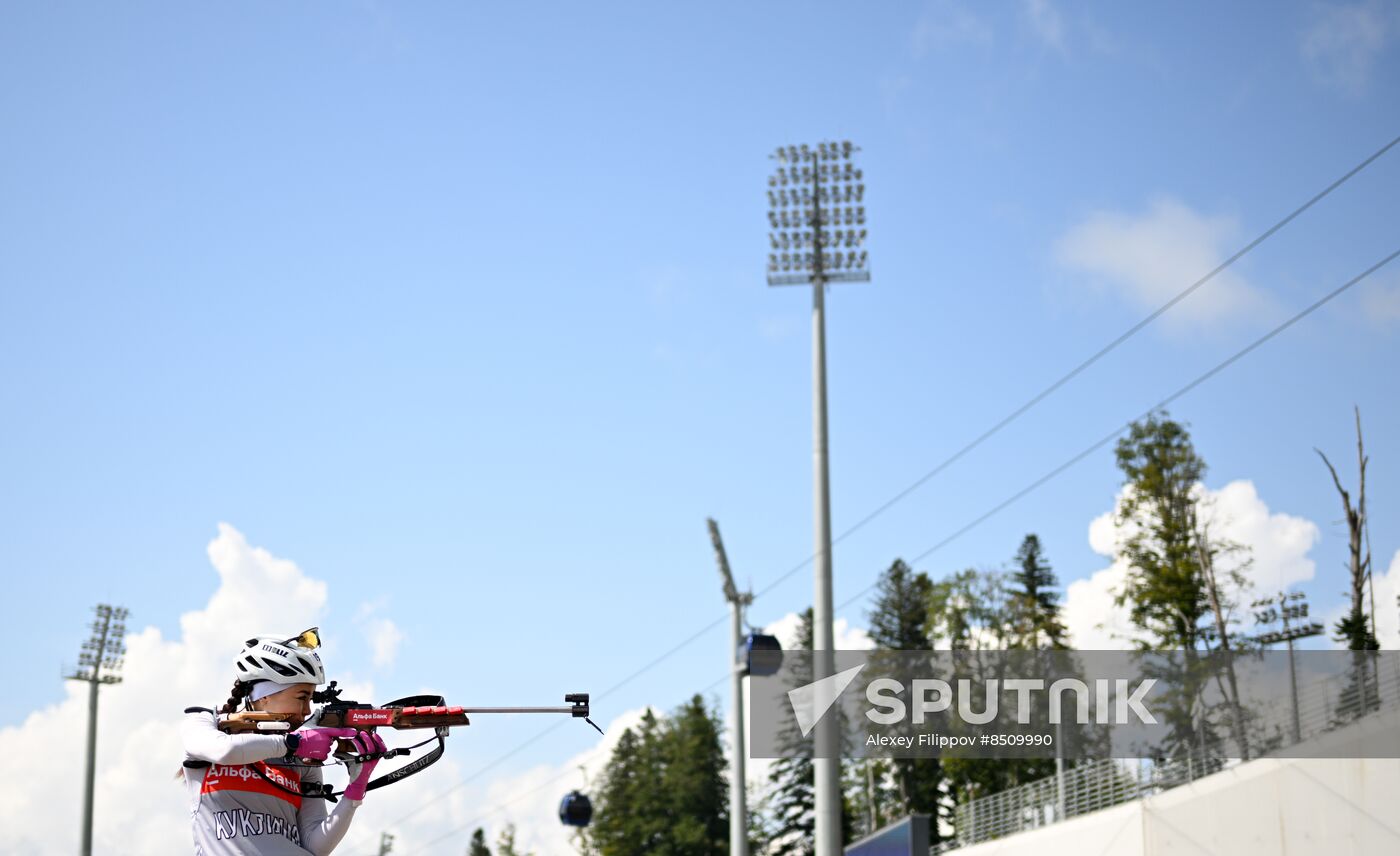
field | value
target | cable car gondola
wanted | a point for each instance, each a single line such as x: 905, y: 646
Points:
x: 575, y: 809
x: 764, y: 654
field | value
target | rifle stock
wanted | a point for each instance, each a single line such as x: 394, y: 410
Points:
x: 349, y: 715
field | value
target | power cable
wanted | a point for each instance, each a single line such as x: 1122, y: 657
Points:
x: 1104, y: 441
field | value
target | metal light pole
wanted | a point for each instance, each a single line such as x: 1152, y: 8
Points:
x: 738, y: 805
x: 1286, y: 606
x: 815, y: 211
x: 103, y: 650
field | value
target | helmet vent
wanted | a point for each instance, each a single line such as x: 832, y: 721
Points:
x: 279, y: 668
x: 310, y: 669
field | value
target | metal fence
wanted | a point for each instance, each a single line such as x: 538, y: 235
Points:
x: 1092, y: 785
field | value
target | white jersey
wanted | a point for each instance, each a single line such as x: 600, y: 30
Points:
x: 235, y: 811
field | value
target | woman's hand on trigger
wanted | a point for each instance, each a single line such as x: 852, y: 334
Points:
x: 366, y: 743
x: 316, y: 744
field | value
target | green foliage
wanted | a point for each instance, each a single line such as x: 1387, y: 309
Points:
x: 899, y: 618
x: 478, y: 845
x: 871, y: 794
x: 629, y: 815
x: 990, y: 610
x: 695, y: 782
x: 900, y: 621
x: 970, y: 611
x: 1171, y: 577
x: 1035, y: 606
x: 505, y: 843
x: 664, y: 790
x: 1354, y: 628
x: 1165, y: 589
x: 793, y: 825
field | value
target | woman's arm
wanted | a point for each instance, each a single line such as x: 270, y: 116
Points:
x: 203, y: 739
x: 321, y: 832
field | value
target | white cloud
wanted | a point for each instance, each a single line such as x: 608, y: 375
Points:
x: 384, y: 638
x: 1046, y: 23
x: 1094, y: 622
x: 945, y: 23
x: 1279, y: 542
x: 1341, y: 44
x: 847, y: 636
x: 850, y: 638
x: 383, y: 635
x: 1149, y: 258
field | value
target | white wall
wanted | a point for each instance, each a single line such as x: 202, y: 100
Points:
x: 1269, y: 807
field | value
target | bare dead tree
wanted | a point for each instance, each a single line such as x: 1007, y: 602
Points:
x: 1206, y: 551
x: 1355, y: 628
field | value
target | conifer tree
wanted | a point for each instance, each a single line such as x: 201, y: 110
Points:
x: 983, y: 610
x: 1164, y: 590
x: 478, y: 845
x: 630, y: 814
x: 1035, y: 603
x: 899, y: 621
x: 505, y: 843
x: 664, y: 791
x: 695, y: 783
x: 1168, y: 590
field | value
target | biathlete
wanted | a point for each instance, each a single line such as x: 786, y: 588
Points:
x: 248, y: 792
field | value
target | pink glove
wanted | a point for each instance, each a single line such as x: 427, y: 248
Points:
x: 316, y: 744
x: 366, y: 743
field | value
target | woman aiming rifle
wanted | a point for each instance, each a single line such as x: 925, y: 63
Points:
x: 248, y: 793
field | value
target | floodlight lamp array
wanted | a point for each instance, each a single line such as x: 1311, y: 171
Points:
x: 815, y: 211
x: 104, y: 649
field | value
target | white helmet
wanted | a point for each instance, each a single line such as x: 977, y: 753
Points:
x: 282, y: 660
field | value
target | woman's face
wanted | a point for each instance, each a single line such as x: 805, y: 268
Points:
x: 294, y: 700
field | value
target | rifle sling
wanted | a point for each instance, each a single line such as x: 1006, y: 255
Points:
x: 325, y: 792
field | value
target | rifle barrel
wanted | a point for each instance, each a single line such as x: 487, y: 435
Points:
x: 517, y: 710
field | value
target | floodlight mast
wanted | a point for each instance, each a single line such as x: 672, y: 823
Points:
x: 1285, y: 606
x: 827, y: 176
x: 103, y: 649
x: 738, y: 802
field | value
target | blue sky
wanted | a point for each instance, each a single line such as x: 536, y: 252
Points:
x: 462, y: 309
